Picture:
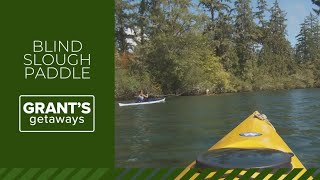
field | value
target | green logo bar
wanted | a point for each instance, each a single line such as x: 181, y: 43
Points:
x: 56, y: 113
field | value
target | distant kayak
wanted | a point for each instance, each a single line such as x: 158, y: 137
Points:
x: 144, y: 102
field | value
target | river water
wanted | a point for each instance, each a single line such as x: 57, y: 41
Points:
x: 173, y: 133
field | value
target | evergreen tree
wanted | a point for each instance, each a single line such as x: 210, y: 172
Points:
x: 122, y: 20
x: 316, y: 2
x: 245, y: 36
x: 224, y: 44
x: 308, y: 46
x: 277, y: 52
x: 142, y: 20
x: 308, y: 40
x: 178, y: 49
x: 215, y: 7
x: 219, y: 30
x: 261, y: 28
x: 302, y: 51
x: 172, y: 22
x: 262, y: 7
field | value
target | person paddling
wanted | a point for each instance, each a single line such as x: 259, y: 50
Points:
x: 142, y: 97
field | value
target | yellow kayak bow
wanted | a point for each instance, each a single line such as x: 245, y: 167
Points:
x: 253, y: 139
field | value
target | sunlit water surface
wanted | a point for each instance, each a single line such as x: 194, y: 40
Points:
x: 173, y: 133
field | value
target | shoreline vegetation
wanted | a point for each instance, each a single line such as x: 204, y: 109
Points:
x: 191, y: 47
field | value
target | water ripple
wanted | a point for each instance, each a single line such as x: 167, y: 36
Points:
x: 172, y: 134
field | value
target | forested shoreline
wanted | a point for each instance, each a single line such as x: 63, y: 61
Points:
x: 186, y: 47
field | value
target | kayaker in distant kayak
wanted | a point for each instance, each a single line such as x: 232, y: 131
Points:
x: 142, y: 97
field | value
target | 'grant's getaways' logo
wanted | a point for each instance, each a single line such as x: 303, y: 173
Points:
x: 56, y: 113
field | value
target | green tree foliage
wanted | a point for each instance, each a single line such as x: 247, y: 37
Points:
x: 262, y: 7
x: 186, y: 47
x: 262, y: 23
x: 245, y: 39
x: 219, y: 30
x: 142, y: 19
x: 122, y: 21
x: 130, y: 78
x: 215, y: 7
x: 178, y: 55
x: 185, y: 64
x: 316, y: 2
x: 308, y: 46
x: 276, y: 55
x: 277, y: 50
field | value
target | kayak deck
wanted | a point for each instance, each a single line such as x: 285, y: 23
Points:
x: 253, y: 133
